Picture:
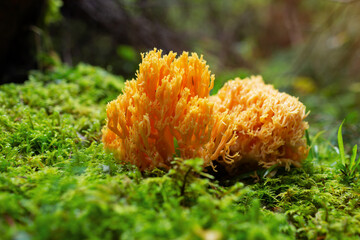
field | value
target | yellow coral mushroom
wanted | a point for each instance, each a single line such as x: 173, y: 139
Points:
x: 265, y: 127
x: 248, y: 123
x: 167, y: 100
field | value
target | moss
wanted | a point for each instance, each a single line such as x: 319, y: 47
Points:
x: 57, y: 182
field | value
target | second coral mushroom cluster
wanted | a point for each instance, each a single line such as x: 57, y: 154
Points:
x: 168, y: 105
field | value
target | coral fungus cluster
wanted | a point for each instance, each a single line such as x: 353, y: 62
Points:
x: 168, y: 100
x: 267, y: 125
x: 247, y: 122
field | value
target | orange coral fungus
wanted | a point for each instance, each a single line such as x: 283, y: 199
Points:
x: 248, y: 123
x: 167, y: 100
x: 257, y: 125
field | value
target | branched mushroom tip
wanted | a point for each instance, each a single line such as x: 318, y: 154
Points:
x: 246, y: 122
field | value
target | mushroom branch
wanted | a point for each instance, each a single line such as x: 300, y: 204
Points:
x: 168, y: 100
x: 267, y: 127
x: 248, y: 123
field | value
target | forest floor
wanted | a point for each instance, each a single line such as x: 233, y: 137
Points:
x: 57, y: 182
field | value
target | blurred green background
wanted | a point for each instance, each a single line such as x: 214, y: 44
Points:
x: 308, y: 48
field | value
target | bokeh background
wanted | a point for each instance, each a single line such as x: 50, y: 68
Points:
x: 308, y: 48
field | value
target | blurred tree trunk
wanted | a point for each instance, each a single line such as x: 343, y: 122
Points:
x: 124, y: 26
x: 17, y: 44
x: 285, y: 26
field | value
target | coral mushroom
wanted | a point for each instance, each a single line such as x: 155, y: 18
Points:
x: 168, y: 100
x: 265, y: 127
x: 246, y: 125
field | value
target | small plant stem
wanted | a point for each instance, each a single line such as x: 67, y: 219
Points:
x: 182, y: 192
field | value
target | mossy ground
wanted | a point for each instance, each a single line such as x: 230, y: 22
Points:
x: 57, y: 182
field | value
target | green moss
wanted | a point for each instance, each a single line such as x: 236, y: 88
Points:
x: 57, y: 182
